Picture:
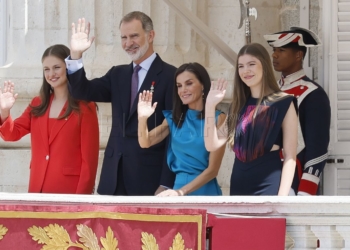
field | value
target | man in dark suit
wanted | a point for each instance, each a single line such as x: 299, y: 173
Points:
x: 127, y: 168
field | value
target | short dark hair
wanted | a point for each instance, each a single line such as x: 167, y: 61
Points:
x: 145, y: 20
x: 296, y: 47
x: 179, y: 110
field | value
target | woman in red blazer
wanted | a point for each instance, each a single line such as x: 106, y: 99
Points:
x: 64, y: 131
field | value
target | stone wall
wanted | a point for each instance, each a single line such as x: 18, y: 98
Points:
x: 34, y: 25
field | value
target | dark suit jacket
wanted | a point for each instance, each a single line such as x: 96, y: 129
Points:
x: 143, y: 169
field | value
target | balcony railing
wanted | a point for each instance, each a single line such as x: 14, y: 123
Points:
x: 321, y: 222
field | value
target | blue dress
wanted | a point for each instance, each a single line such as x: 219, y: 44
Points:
x: 257, y: 170
x: 187, y: 156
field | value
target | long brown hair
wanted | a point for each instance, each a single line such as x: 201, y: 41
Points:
x: 179, y: 110
x: 61, y: 52
x: 241, y: 92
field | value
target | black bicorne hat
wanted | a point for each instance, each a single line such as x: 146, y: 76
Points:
x: 294, y: 37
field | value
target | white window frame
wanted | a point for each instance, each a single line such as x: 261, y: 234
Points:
x: 3, y: 31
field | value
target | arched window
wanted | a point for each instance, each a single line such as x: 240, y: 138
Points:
x: 3, y: 30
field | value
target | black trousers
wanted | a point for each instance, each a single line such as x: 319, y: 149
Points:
x: 120, y: 189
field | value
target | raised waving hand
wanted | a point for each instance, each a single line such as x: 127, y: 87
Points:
x: 80, y: 40
x: 145, y: 108
x: 7, y: 96
x: 217, y: 92
x: 214, y: 137
x: 7, y: 99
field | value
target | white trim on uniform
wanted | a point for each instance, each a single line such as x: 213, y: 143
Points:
x: 311, y: 178
x: 316, y: 160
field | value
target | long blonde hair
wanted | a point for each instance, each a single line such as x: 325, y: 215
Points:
x: 241, y: 92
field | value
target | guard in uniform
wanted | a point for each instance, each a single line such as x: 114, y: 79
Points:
x: 289, y: 49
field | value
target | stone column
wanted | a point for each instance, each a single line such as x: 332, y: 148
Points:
x: 300, y: 238
x: 344, y: 231
x: 328, y: 237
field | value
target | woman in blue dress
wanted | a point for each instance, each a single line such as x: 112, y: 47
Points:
x: 262, y: 120
x: 195, y: 168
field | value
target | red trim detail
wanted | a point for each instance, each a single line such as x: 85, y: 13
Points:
x: 296, y: 91
x: 282, y: 35
x: 308, y: 187
x: 296, y: 40
x: 299, y: 169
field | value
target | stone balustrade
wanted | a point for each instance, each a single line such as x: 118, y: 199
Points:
x: 321, y: 222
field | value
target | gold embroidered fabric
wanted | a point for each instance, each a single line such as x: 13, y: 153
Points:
x: 178, y: 243
x: 149, y: 242
x: 55, y: 237
x: 3, y: 231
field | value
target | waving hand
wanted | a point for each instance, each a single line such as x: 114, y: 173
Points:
x: 217, y: 91
x: 145, y: 108
x: 7, y: 97
x: 80, y: 40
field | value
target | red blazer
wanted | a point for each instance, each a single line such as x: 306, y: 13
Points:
x: 64, y: 160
